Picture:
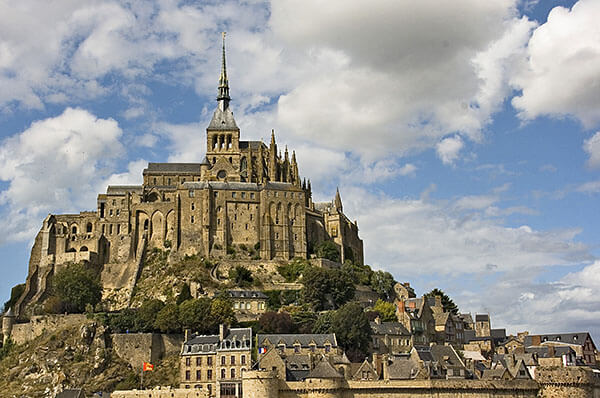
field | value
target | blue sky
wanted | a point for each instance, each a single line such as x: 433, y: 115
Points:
x: 464, y: 136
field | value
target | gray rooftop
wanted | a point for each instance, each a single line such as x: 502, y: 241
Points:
x: 253, y: 145
x: 238, y: 186
x: 482, y: 318
x: 304, y: 339
x: 222, y: 120
x: 236, y: 338
x: 571, y: 338
x: 123, y: 189
x: 395, y: 328
x: 173, y: 168
x: 324, y: 370
x: 246, y: 294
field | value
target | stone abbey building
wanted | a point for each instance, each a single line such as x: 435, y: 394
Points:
x: 243, y: 192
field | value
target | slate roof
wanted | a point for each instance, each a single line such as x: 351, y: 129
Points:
x: 490, y: 374
x: 466, y: 318
x: 254, y: 145
x: 395, y: 328
x: 246, y: 294
x: 212, y: 343
x: 222, y: 120
x: 498, y: 335
x: 402, y: 368
x: 482, y: 318
x: 173, y: 168
x: 71, y: 393
x: 238, y: 186
x: 571, y: 338
x: 123, y: 189
x: 303, y: 339
x: 324, y: 370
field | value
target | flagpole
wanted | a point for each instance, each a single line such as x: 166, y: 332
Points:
x: 142, y: 378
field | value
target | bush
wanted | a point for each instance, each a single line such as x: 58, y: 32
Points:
x: 292, y: 270
x: 53, y: 305
x: 123, y: 321
x: 328, y: 250
x: 15, y: 294
x: 167, y: 319
x: 276, y: 322
x: 77, y: 285
x: 146, y: 315
x: 241, y: 276
x: 194, y: 313
x: 185, y: 294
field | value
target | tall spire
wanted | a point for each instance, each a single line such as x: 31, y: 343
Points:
x: 338, y: 201
x: 223, y: 96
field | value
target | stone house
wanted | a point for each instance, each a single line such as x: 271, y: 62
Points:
x: 482, y: 325
x: 294, y: 344
x: 417, y: 317
x: 248, y: 305
x: 581, y: 343
x: 390, y: 337
x: 215, y: 363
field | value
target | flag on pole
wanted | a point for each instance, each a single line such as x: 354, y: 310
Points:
x: 148, y: 366
x: 262, y: 350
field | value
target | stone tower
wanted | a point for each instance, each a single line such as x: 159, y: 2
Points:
x: 7, y: 323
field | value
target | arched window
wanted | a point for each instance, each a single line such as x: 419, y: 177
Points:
x: 88, y: 228
x: 232, y: 373
x: 74, y: 229
x: 145, y: 225
x: 243, y: 164
x: 83, y: 249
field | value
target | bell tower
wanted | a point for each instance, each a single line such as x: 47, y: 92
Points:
x: 223, y: 134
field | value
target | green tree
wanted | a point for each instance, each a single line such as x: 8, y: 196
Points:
x: 383, y: 283
x: 352, y: 330
x: 447, y: 303
x: 326, y: 288
x: 185, y: 294
x: 329, y: 250
x: 276, y: 323
x: 360, y: 274
x: 194, y: 313
x: 241, y: 276
x: 304, y: 320
x: 77, y: 286
x: 167, y: 319
x: 15, y: 294
x: 123, y: 321
x: 323, y: 324
x: 292, y: 270
x: 146, y: 315
x: 386, y: 310
x: 221, y: 312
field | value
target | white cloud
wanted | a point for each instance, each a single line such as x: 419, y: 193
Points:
x: 562, y: 76
x: 408, y: 169
x: 133, y: 176
x: 53, y: 166
x: 449, y: 148
x: 589, y: 187
x: 413, y: 237
x: 187, y: 141
x: 592, y: 147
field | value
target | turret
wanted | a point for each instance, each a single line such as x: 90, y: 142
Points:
x: 337, y: 202
x: 8, y: 321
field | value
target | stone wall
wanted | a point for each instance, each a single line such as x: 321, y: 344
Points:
x: 38, y: 325
x: 163, y: 392
x: 137, y: 348
x: 572, y: 382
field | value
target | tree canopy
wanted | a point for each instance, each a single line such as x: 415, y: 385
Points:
x: 386, y: 310
x: 276, y: 323
x: 326, y: 288
x: 241, y: 276
x: 329, y: 250
x: 447, y: 303
x: 383, y: 283
x: 77, y: 286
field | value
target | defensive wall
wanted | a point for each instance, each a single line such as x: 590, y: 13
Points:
x: 137, y: 348
x: 41, y: 324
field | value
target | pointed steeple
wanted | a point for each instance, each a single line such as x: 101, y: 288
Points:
x: 223, y: 96
x: 338, y: 201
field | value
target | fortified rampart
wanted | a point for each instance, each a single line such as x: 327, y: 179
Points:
x: 137, y: 348
x: 43, y: 324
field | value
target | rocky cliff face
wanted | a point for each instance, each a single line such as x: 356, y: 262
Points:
x: 75, y: 357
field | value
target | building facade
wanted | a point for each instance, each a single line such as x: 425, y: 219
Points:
x: 215, y: 363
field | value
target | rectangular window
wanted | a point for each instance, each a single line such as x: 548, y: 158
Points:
x: 114, y: 202
x: 251, y: 195
x: 243, y: 195
x: 187, y: 374
x: 192, y: 219
x: 243, y: 359
x: 198, y: 361
x: 187, y: 361
x: 209, y: 361
x: 218, y: 221
x: 276, y: 235
x: 250, y: 217
x: 233, y: 194
x: 209, y: 374
x: 168, y: 181
x: 246, y: 226
x: 191, y: 193
x: 198, y: 374
x: 110, y: 229
x: 122, y: 202
x: 222, y: 360
x: 216, y: 194
x: 110, y: 212
x: 233, y: 359
x: 118, y: 212
x: 193, y: 206
x: 118, y: 229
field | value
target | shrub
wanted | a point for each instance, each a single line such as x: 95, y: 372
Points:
x: 77, y: 285
x: 328, y: 250
x: 53, y: 305
x: 241, y: 276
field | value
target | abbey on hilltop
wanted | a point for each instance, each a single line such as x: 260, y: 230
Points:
x: 243, y: 192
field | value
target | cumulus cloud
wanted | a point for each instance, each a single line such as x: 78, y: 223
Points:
x: 449, y: 148
x: 592, y: 147
x: 562, y: 75
x: 424, y: 237
x: 55, y: 165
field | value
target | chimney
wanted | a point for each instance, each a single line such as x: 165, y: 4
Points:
x: 438, y: 301
x: 186, y: 333
x: 222, y: 332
